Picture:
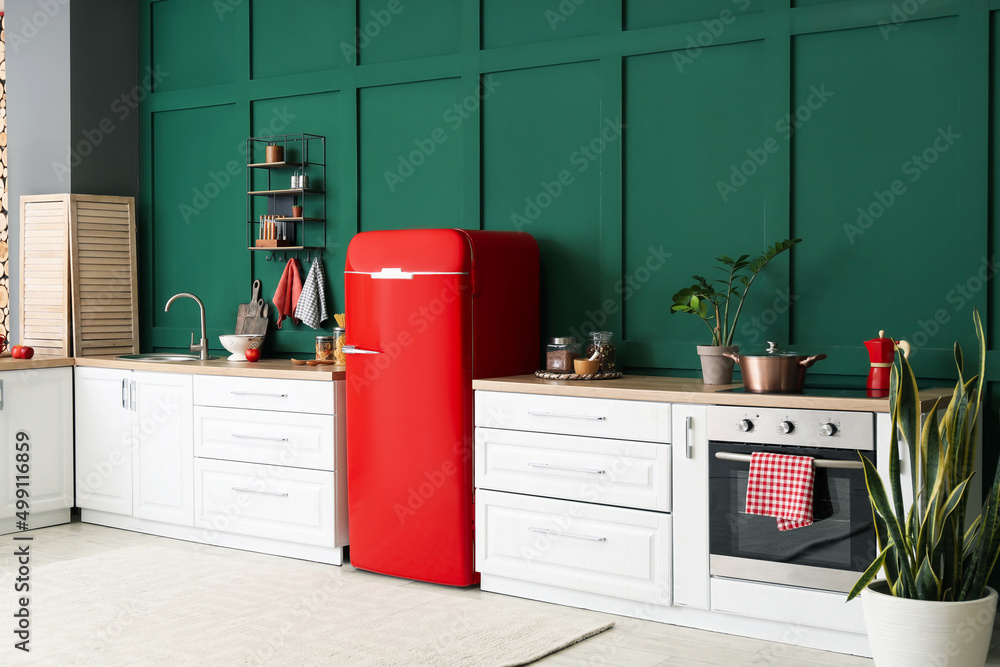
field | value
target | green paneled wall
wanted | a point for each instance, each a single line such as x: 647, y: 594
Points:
x: 669, y: 123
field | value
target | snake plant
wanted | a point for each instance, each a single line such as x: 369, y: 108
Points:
x: 708, y: 302
x: 927, y: 553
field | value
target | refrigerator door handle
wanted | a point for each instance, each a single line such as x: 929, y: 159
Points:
x: 351, y: 349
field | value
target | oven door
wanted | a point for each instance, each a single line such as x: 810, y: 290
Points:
x: 830, y: 554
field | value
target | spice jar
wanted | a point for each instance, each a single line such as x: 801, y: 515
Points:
x: 340, y: 337
x: 326, y: 347
x: 560, y: 353
x: 600, y: 341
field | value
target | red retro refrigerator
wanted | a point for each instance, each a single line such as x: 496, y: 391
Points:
x: 428, y: 311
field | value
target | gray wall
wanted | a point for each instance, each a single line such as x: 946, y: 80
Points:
x: 64, y: 73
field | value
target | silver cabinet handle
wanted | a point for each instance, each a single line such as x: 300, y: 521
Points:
x: 266, y: 493
x: 124, y: 393
x: 688, y: 440
x: 3, y: 395
x: 549, y: 531
x: 595, y: 471
x: 819, y: 463
x: 132, y: 400
x: 542, y: 413
x: 257, y: 393
x: 352, y: 349
x: 258, y: 437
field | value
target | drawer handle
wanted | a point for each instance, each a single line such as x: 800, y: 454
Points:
x: 257, y: 393
x: 595, y: 471
x: 688, y: 440
x: 592, y: 538
x: 266, y: 493
x: 537, y: 413
x: 258, y: 437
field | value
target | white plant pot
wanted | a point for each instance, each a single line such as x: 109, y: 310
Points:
x: 912, y: 633
x: 715, y: 368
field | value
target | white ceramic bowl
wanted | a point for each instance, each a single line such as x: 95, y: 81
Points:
x: 238, y: 344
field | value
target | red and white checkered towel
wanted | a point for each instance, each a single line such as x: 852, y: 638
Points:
x: 781, y: 486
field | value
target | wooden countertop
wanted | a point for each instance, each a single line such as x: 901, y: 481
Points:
x: 265, y: 368
x: 689, y: 390
x: 9, y: 363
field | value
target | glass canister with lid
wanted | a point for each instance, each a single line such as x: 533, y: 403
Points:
x: 602, y: 343
x: 560, y: 353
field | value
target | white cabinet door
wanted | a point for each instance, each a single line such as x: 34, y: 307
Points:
x: 690, y: 506
x: 103, y: 440
x: 39, y: 404
x: 162, y: 467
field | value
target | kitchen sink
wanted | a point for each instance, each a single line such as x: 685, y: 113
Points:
x: 159, y: 356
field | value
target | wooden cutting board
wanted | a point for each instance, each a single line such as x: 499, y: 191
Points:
x: 248, y: 310
x: 256, y: 323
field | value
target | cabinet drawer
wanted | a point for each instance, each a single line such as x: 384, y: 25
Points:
x: 263, y: 394
x: 570, y: 415
x: 257, y: 436
x: 621, y: 553
x: 611, y: 472
x: 265, y: 501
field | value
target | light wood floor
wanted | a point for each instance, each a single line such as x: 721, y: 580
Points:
x: 631, y: 643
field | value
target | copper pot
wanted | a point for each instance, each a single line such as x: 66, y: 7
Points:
x: 774, y: 371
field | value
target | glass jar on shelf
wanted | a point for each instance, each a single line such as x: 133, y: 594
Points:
x: 601, y: 342
x: 560, y: 353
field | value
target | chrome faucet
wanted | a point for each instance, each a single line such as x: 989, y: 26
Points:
x: 202, y: 347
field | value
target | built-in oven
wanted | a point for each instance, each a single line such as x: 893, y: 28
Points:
x: 831, y: 553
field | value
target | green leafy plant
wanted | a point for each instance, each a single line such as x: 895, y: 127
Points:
x: 926, y: 551
x: 711, y: 303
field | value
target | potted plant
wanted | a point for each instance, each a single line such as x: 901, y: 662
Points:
x: 710, y: 300
x: 934, y: 605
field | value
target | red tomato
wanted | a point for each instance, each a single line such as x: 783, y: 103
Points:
x: 27, y: 352
x: 253, y: 354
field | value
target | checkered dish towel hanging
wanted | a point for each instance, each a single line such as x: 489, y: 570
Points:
x: 311, y: 308
x: 781, y: 486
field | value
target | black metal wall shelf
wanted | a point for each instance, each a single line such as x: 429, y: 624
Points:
x: 300, y: 155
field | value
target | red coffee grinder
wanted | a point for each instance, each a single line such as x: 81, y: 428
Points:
x: 882, y: 352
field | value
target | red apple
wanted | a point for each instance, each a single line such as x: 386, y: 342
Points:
x: 253, y: 354
x: 27, y: 352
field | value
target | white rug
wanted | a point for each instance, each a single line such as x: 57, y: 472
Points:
x: 156, y: 606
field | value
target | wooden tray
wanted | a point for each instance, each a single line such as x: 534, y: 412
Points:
x: 545, y: 375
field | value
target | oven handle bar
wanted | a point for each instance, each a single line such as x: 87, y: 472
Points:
x: 819, y: 463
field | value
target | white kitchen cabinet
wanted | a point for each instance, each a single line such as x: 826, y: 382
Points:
x: 691, y: 548
x: 573, y: 500
x: 162, y: 466
x: 38, y: 403
x: 103, y: 440
x: 135, y: 441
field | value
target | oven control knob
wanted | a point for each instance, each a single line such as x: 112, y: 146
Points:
x: 786, y: 427
x: 828, y: 429
x: 745, y: 425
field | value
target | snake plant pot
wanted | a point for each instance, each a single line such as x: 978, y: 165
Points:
x: 911, y: 633
x: 716, y: 368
